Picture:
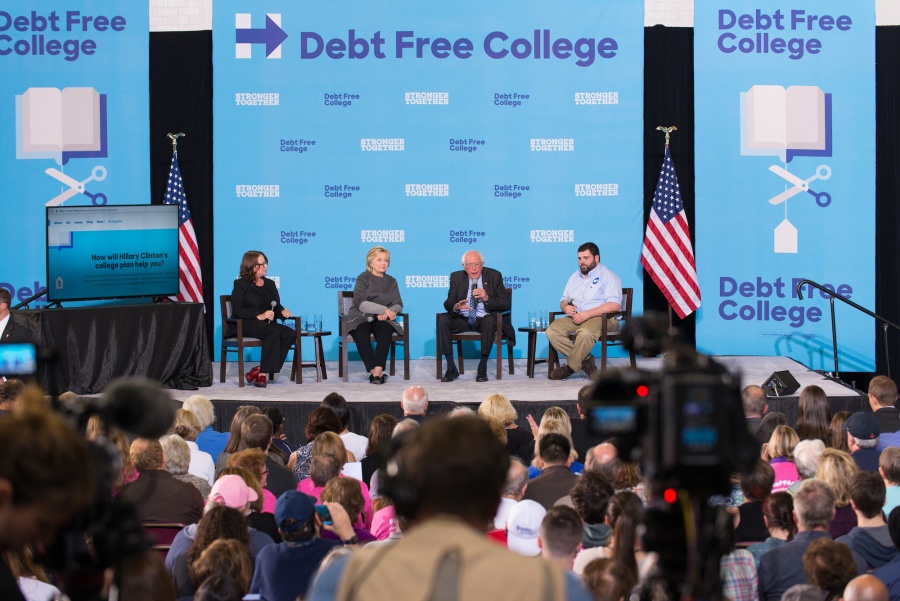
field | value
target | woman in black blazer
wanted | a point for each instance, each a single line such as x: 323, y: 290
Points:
x: 255, y: 300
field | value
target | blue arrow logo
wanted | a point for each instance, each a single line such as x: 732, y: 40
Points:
x: 272, y: 36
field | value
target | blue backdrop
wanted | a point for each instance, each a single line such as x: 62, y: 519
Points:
x: 73, y: 97
x: 510, y: 127
x: 785, y: 177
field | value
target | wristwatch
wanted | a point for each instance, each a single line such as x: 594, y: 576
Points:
x: 350, y: 541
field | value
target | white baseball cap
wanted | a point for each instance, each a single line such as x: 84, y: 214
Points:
x: 523, y: 525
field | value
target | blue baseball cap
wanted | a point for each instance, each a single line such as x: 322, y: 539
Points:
x: 293, y: 505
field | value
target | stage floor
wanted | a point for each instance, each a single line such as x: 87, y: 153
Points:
x: 518, y: 387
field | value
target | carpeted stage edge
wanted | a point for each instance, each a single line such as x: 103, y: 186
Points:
x: 528, y: 396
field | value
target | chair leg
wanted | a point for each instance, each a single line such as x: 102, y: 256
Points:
x: 224, y: 365
x: 344, y: 362
x: 393, y: 358
x: 240, y: 367
x: 459, y: 353
x: 406, y: 359
x: 552, y: 360
x: 509, y: 358
x: 633, y: 362
x: 340, y: 359
x: 499, y: 346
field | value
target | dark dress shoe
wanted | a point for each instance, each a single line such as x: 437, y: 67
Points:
x: 588, y: 366
x: 383, y: 378
x: 252, y: 375
x: 376, y: 379
x: 561, y: 373
x: 451, y: 374
x: 260, y: 381
x: 482, y: 376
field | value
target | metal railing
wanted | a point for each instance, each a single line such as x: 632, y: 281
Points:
x: 834, y: 295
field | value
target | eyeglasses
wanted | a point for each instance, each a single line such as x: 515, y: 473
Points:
x: 266, y: 264
x: 473, y: 264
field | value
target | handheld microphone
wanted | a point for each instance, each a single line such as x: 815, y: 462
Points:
x: 474, y: 298
x: 273, y: 309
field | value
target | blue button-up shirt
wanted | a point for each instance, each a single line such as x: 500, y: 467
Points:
x: 589, y: 291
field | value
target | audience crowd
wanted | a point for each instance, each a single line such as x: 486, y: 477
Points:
x: 475, y: 504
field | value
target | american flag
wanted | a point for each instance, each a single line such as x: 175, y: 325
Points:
x: 190, y: 289
x: 667, y: 254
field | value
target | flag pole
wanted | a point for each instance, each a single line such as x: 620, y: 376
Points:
x: 667, y: 131
x: 174, y: 138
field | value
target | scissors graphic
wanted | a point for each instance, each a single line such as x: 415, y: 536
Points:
x: 75, y: 187
x: 823, y: 199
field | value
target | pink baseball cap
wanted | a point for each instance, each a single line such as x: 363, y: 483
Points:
x: 231, y: 490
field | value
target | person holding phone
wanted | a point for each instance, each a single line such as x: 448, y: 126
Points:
x: 255, y: 300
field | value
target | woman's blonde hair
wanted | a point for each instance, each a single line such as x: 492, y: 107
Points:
x: 837, y: 468
x: 186, y: 425
x: 497, y: 428
x: 331, y: 444
x: 374, y: 252
x: 782, y: 443
x: 498, y: 407
x: 560, y: 415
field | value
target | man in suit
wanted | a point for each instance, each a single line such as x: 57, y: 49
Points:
x: 10, y: 330
x: 475, y: 293
x: 591, y: 292
x: 882, y: 396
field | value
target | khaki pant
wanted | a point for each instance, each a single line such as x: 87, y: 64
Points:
x: 586, y: 336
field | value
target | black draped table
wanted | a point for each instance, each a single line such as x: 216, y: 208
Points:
x: 165, y: 342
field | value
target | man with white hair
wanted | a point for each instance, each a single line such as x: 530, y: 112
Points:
x: 807, y: 454
x: 476, y: 292
x: 862, y: 437
x: 414, y: 403
x: 209, y: 440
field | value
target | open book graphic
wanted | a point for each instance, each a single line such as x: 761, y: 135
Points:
x: 59, y: 124
x: 785, y: 122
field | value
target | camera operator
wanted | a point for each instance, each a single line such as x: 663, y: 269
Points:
x: 446, y: 480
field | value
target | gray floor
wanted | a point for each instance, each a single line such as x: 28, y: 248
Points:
x: 519, y: 387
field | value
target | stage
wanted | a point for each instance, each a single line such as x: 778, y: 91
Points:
x: 528, y: 395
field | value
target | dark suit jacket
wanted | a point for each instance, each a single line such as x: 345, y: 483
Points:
x: 159, y: 497
x: 492, y: 281
x: 246, y: 302
x: 15, y: 332
x: 888, y: 420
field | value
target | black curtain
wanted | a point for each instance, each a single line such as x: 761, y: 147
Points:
x: 669, y: 100
x: 181, y: 101
x: 887, y: 190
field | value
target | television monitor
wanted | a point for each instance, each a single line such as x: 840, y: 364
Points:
x: 111, y: 251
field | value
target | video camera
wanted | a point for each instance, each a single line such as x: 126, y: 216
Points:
x: 685, y: 426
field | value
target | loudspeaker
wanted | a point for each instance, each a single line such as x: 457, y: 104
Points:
x: 781, y: 383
